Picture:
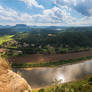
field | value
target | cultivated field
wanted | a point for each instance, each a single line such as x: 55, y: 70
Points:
x: 36, y: 58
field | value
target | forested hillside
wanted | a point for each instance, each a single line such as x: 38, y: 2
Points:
x: 48, y: 41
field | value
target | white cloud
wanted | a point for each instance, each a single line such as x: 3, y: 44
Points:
x: 61, y: 14
x: 81, y: 6
x: 54, y: 16
x: 90, y: 11
x: 86, y: 20
x: 32, y: 3
x: 49, y: 17
x: 7, y: 12
x: 11, y: 16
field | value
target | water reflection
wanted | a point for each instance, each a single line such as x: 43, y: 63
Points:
x: 41, y: 77
x: 60, y: 78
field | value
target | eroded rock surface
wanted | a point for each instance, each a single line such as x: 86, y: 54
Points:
x: 10, y: 81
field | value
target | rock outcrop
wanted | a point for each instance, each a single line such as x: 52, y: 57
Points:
x: 10, y: 81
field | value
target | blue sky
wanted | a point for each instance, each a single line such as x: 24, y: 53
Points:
x: 46, y: 12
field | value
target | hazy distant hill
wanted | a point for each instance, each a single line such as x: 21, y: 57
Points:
x: 21, y: 28
x: 7, y: 31
x: 17, y: 27
x: 26, y: 28
x: 3, y: 27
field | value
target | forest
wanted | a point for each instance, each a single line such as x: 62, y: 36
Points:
x: 47, y: 41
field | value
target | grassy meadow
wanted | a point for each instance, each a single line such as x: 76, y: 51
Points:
x: 5, y: 38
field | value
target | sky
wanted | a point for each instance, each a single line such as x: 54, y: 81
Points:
x: 46, y: 12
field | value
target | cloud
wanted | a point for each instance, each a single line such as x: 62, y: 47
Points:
x: 53, y: 16
x: 11, y: 16
x: 81, y: 6
x: 57, y: 15
x: 32, y: 3
x: 7, y: 14
x: 85, y: 21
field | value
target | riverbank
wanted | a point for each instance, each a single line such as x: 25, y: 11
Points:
x: 51, y: 64
x: 38, y: 77
x: 84, y: 85
x: 40, y: 58
x: 48, y: 60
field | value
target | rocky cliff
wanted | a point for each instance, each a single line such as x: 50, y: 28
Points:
x: 10, y: 81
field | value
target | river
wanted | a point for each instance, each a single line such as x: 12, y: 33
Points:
x: 41, y: 77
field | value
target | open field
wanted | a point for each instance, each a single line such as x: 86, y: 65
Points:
x: 5, y: 38
x: 50, y: 64
x: 38, y: 58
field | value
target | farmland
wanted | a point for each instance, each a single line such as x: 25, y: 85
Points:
x: 5, y: 38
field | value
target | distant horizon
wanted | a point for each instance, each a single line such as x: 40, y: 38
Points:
x: 51, y: 25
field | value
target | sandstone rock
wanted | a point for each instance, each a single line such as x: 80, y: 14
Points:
x: 10, y: 81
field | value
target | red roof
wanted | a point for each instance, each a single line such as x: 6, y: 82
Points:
x: 2, y: 50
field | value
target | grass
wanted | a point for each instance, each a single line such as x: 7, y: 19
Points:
x: 5, y: 38
x: 84, y: 85
x: 50, y: 64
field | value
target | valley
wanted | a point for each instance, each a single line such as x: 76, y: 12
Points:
x: 44, y: 57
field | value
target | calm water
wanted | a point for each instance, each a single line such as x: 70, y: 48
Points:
x: 41, y: 77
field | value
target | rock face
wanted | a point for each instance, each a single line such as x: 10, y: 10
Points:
x: 10, y: 81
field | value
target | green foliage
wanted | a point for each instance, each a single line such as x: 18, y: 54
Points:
x: 78, y: 86
x: 7, y: 31
x: 5, y: 38
x: 44, y: 41
x: 55, y: 42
